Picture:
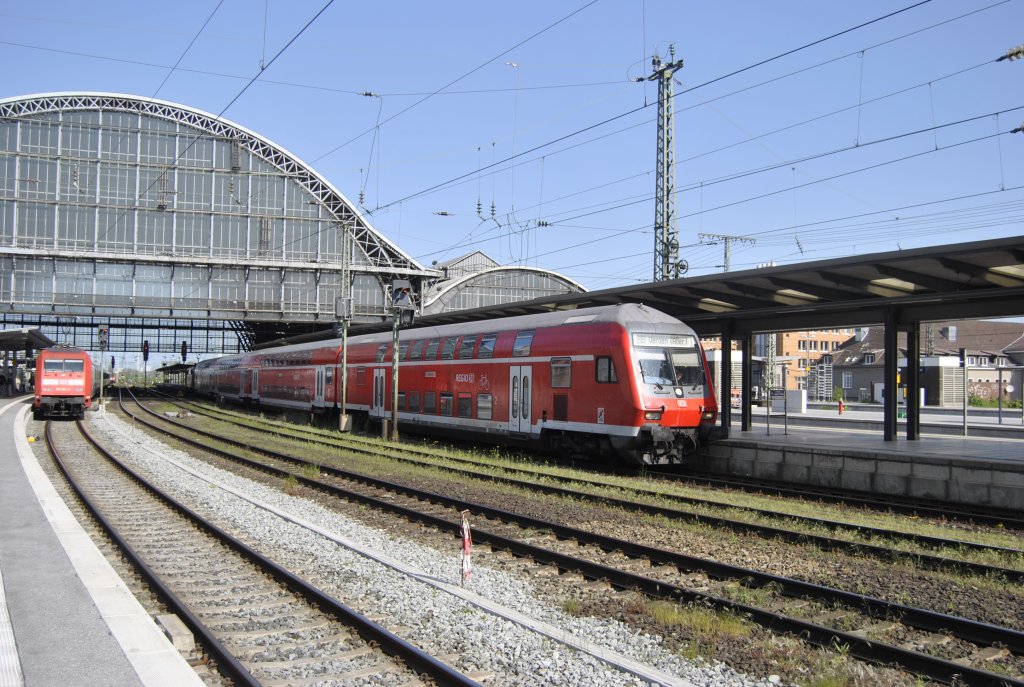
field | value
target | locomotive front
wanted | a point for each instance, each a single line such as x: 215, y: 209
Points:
x: 677, y: 408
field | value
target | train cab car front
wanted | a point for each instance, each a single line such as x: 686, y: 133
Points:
x: 675, y: 394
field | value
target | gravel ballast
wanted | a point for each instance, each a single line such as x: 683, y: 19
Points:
x: 440, y: 622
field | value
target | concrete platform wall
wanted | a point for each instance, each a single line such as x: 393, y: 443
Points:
x: 999, y: 484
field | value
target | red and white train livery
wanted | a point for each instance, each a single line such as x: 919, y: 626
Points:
x: 625, y: 382
x: 65, y: 383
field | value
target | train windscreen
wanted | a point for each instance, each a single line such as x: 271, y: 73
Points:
x: 62, y: 365
x: 670, y: 362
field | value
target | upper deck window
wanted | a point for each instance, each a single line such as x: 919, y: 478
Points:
x: 521, y: 347
x: 448, y: 352
x: 466, y: 349
x: 487, y: 342
x: 432, y: 347
x: 417, y: 349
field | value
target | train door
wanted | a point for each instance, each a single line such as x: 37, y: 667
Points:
x: 379, y: 393
x: 318, y: 398
x: 520, y: 401
x: 254, y: 379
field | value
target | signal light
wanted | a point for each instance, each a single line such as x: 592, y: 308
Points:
x: 184, y: 350
x: 145, y: 351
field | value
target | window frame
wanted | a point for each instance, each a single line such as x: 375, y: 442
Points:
x: 561, y: 373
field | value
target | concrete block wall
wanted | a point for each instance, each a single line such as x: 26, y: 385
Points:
x: 998, y: 484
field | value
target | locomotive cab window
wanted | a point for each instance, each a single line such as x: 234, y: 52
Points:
x: 561, y: 373
x: 606, y: 370
x: 521, y: 347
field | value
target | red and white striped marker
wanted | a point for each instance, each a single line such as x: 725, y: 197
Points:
x: 467, y: 541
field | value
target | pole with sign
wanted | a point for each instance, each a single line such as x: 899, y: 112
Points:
x: 104, y: 335
x: 403, y: 312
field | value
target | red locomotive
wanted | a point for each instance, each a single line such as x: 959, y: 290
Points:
x: 65, y: 383
x: 622, y: 382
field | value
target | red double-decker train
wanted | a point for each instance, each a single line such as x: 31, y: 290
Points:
x: 65, y: 383
x: 623, y: 382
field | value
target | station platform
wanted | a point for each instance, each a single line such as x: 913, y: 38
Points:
x: 835, y: 453
x: 66, y: 618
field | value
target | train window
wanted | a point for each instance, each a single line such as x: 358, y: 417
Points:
x: 487, y: 346
x: 521, y: 347
x: 446, y: 403
x: 74, y: 366
x: 416, y: 352
x: 448, y: 352
x: 360, y: 376
x: 514, y: 405
x: 561, y: 373
x: 53, y: 365
x: 606, y: 370
x: 466, y: 349
x: 401, y: 400
x: 483, y: 406
x: 403, y: 350
x: 429, y: 402
x: 414, y: 401
x: 465, y: 408
x: 381, y: 350
x: 432, y: 347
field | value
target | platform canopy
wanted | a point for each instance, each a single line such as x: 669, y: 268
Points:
x: 960, y: 281
x: 23, y: 339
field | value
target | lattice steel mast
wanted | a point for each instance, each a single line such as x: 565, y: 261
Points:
x: 667, y: 264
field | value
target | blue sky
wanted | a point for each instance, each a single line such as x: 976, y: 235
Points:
x: 890, y: 136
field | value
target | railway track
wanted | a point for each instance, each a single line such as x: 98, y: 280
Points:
x: 506, y: 638
x: 251, y: 614
x: 942, y: 512
x: 915, y: 546
x: 673, y: 576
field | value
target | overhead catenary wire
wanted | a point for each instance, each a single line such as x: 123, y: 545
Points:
x: 645, y: 106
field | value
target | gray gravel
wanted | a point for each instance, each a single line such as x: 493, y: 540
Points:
x: 423, y: 609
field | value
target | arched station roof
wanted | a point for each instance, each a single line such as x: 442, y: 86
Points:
x: 127, y: 210
x: 380, y: 251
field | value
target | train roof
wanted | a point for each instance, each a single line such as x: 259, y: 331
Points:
x: 62, y: 349
x: 622, y: 313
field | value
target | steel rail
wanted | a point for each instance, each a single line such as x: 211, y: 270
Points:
x: 226, y: 661
x: 391, y: 643
x: 923, y: 560
x: 922, y: 664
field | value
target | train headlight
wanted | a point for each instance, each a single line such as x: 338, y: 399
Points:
x: 679, y: 391
x: 652, y: 415
x: 708, y: 416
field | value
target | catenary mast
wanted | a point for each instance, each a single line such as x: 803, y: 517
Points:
x: 667, y: 264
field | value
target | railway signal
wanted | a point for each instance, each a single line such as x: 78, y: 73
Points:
x: 145, y: 351
x: 184, y: 350
x: 104, y: 333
